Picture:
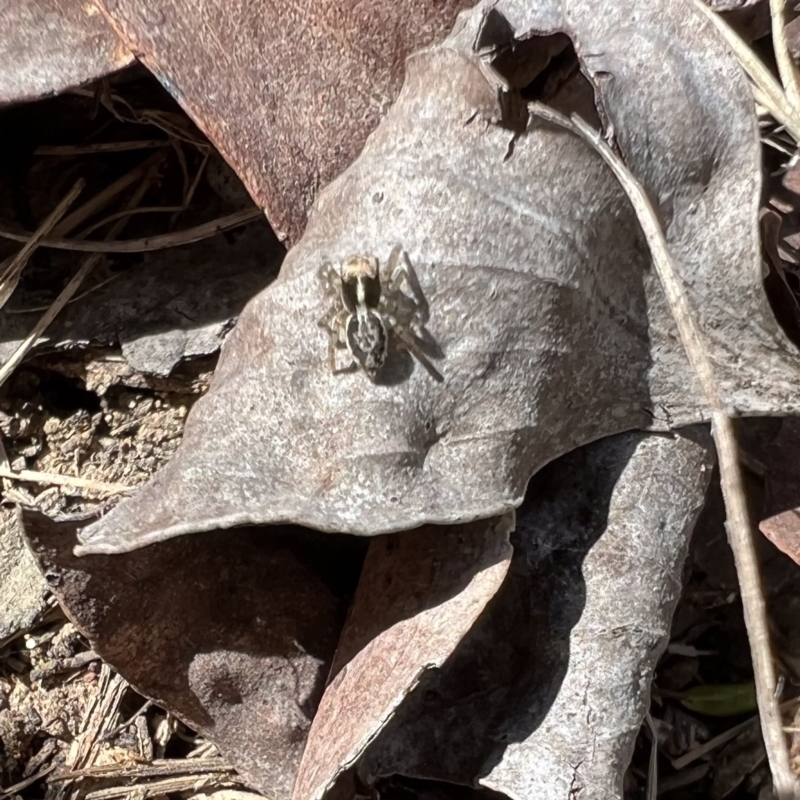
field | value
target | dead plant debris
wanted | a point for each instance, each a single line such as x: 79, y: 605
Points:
x: 92, y: 405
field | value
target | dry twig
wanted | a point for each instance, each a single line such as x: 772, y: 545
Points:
x: 69, y: 290
x: 767, y: 91
x: 99, y: 147
x: 164, y: 240
x: 100, y: 717
x: 103, y: 198
x: 786, y: 65
x: 738, y: 524
x: 54, y: 479
x: 10, y: 277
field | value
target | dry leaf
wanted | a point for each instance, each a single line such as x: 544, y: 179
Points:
x: 553, y: 329
x: 287, y: 92
x: 420, y: 593
x: 51, y: 45
x: 781, y: 459
x: 783, y: 530
x: 233, y: 632
x: 547, y: 691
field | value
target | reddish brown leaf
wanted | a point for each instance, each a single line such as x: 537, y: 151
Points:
x: 420, y: 593
x: 50, y: 45
x: 783, y: 530
x: 231, y: 631
x: 781, y: 460
x: 287, y: 91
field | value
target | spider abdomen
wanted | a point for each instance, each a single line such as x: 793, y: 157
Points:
x: 367, y: 340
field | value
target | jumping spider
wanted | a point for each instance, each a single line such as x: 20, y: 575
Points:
x: 369, y: 307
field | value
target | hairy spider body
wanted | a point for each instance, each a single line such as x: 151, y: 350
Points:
x: 369, y: 308
x: 367, y: 340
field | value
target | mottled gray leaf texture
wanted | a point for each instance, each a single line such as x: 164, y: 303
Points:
x: 546, y: 693
x: 550, y: 327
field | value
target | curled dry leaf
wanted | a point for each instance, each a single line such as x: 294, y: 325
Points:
x: 233, y: 632
x: 552, y: 327
x: 546, y: 693
x: 420, y: 593
x: 51, y: 45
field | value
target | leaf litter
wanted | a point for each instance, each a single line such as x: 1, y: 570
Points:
x: 97, y: 405
x: 772, y: 411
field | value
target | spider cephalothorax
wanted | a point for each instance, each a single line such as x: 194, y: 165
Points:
x: 367, y: 310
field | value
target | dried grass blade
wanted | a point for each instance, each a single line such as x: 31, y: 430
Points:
x: 786, y: 66
x: 740, y: 532
x: 99, y: 201
x: 11, y: 274
x: 160, y: 242
x: 769, y: 92
x: 69, y: 290
x: 99, y: 147
x: 55, y: 479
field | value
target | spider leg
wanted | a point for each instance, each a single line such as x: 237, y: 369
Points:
x: 334, y: 325
x: 392, y: 262
x: 401, y: 275
x: 410, y: 344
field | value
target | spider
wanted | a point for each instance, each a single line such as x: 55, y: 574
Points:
x: 369, y: 307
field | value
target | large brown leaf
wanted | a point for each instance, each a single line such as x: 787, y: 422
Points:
x: 554, y: 329
x: 48, y: 46
x: 287, y: 91
x: 233, y: 632
x: 420, y: 593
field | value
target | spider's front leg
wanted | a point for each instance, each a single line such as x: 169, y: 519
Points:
x: 335, y: 326
x: 403, y: 297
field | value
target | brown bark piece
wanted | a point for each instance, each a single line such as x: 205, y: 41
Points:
x: 419, y: 595
x: 287, y: 91
x: 48, y: 46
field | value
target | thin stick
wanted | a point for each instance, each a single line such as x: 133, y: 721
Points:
x: 103, y: 198
x: 52, y: 312
x: 99, y: 147
x: 652, y: 768
x: 121, y: 727
x: 36, y: 309
x: 712, y: 744
x: 24, y: 784
x: 738, y: 522
x: 164, y: 240
x: 69, y: 290
x: 10, y: 276
x: 129, y: 212
x: 786, y: 65
x: 780, y: 113
x: 187, y: 199
x: 55, y: 479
